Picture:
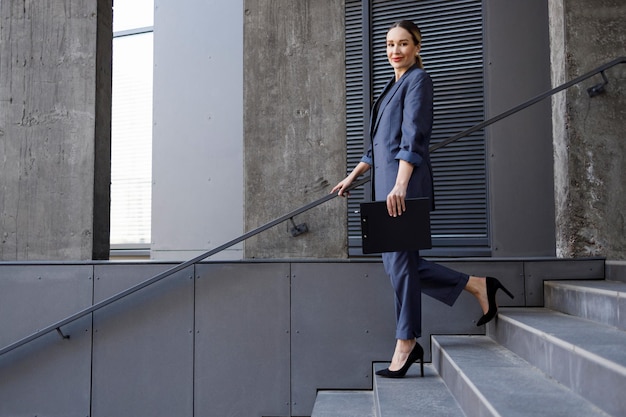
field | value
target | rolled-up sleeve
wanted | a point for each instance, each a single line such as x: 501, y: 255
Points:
x: 367, y: 159
x: 416, y: 120
x: 411, y: 157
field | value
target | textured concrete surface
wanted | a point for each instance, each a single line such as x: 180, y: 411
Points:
x: 589, y: 146
x: 344, y: 404
x: 413, y: 395
x: 601, y: 301
x: 585, y: 356
x: 55, y: 113
x: 490, y: 380
x: 294, y: 125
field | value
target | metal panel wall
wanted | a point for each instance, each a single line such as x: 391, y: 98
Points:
x: 538, y: 271
x: 197, y: 154
x: 242, y: 340
x: 341, y: 319
x: 143, y: 344
x: 519, y: 148
x: 33, y: 297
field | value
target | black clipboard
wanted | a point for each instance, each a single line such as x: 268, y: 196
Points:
x: 384, y: 233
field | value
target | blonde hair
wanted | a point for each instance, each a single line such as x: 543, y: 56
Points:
x: 414, y: 30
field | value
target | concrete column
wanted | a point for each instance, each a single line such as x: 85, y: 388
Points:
x: 294, y: 125
x: 589, y: 141
x: 55, y: 84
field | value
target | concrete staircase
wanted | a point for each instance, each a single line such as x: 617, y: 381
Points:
x: 567, y: 359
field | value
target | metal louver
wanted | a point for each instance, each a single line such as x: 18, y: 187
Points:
x: 452, y: 52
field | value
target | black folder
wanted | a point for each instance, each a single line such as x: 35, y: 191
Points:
x: 384, y: 233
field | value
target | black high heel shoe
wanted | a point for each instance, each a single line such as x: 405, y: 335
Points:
x: 493, y: 285
x: 416, y: 353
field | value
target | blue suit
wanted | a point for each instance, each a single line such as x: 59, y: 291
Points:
x: 400, y: 128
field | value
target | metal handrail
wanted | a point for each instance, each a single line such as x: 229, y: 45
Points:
x: 57, y: 326
x: 592, y: 91
x: 597, y: 89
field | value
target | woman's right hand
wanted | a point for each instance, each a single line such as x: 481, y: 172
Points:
x: 342, y: 186
x: 345, y: 183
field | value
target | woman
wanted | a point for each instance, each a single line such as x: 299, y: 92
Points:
x: 400, y: 128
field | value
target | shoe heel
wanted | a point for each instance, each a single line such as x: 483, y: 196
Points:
x: 507, y: 292
x: 493, y: 285
x: 420, y: 358
x: 416, y: 353
x: 503, y: 288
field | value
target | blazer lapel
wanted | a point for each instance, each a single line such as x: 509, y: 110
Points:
x: 383, y: 98
x: 386, y: 96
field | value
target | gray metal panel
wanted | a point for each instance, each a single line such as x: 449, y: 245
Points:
x: 342, y: 320
x: 519, y: 148
x: 49, y: 376
x: 538, y: 271
x: 615, y: 270
x: 143, y: 344
x: 259, y: 348
x: 438, y: 318
x: 197, y: 148
x: 242, y: 340
x: 510, y: 273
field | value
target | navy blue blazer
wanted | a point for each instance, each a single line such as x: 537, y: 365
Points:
x: 400, y: 128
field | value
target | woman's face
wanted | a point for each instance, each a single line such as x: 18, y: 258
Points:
x: 401, y: 50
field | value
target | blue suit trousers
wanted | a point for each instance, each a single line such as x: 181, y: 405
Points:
x: 412, y: 275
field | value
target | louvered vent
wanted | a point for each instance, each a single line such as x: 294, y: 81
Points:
x: 452, y: 51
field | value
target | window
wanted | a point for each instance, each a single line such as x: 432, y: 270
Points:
x: 131, y: 125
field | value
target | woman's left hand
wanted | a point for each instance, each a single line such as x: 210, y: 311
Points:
x: 395, y: 201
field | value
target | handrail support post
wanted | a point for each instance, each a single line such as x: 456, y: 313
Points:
x: 598, y: 88
x: 63, y: 336
x: 303, y: 228
x: 298, y: 229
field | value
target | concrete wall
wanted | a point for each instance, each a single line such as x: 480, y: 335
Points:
x: 54, y: 129
x: 278, y: 82
x: 271, y: 72
x: 219, y: 339
x: 293, y: 139
x: 589, y: 138
x: 197, y: 150
x: 294, y: 131
x: 294, y: 124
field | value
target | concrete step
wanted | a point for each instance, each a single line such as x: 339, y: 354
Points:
x: 587, y: 357
x: 601, y: 301
x: 411, y: 396
x: 344, y: 404
x: 489, y: 380
x: 414, y: 396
